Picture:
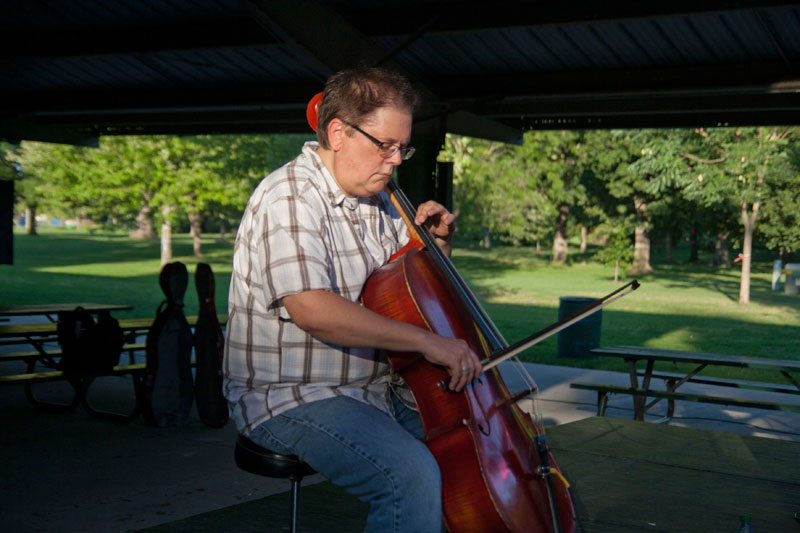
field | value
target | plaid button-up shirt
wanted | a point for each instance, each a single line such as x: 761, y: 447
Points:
x: 300, y: 232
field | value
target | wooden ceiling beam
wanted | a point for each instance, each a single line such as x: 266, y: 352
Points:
x: 150, y: 38
x: 735, y: 78
x: 476, y: 15
x: 330, y: 40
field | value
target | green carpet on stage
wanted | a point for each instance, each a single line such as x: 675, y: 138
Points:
x: 626, y: 477
x: 323, y: 507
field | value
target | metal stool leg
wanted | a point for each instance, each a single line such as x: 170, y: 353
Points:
x: 295, y: 506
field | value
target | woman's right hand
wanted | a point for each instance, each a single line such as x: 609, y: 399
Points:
x: 456, y: 356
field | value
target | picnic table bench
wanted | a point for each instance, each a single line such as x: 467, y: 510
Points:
x: 640, y: 391
x: 42, y: 363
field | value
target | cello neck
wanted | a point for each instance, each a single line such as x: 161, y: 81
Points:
x: 483, y: 323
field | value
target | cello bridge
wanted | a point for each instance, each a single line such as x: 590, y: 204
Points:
x: 514, y: 398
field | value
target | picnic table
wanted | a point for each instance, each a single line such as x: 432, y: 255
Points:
x: 42, y: 363
x: 51, y: 310
x: 640, y: 390
x: 39, y: 335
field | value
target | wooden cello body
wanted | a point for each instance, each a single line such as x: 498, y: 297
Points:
x: 494, y: 463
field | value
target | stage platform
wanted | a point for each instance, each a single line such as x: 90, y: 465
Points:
x: 626, y: 476
x: 631, y: 476
x: 69, y: 472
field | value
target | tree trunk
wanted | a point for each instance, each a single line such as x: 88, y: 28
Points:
x: 616, y: 271
x: 749, y: 222
x: 721, y: 257
x: 143, y: 226
x: 641, y: 252
x: 584, y: 238
x: 194, y: 231
x: 166, y: 236
x: 694, y: 256
x: 223, y: 231
x: 30, y: 220
x: 668, y: 248
x: 560, y: 238
x: 487, y: 238
x: 641, y: 246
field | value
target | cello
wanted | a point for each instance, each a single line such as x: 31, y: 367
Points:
x: 497, y: 471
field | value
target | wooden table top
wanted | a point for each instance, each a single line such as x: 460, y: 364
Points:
x: 680, y: 356
x: 49, y: 329
x: 54, y: 308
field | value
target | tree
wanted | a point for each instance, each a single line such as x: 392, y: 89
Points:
x: 742, y: 166
x: 8, y: 169
x: 242, y: 162
x: 780, y: 222
x: 42, y: 168
x: 522, y: 207
x: 552, y: 161
x: 659, y: 172
x: 498, y: 189
x: 470, y: 185
x: 611, y: 157
x: 136, y: 182
x: 618, y: 248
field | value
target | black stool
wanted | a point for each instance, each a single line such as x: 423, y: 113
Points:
x: 252, y: 458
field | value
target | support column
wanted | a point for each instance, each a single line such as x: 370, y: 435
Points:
x: 6, y: 222
x: 422, y: 178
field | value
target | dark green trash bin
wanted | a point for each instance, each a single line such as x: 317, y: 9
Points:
x: 582, y: 336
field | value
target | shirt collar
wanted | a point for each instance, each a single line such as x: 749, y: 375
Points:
x: 336, y: 196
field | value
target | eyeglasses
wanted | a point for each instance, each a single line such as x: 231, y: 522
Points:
x: 385, y: 149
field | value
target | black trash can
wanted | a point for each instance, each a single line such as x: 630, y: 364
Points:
x: 582, y: 336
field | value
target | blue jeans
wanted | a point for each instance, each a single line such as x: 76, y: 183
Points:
x: 378, y: 459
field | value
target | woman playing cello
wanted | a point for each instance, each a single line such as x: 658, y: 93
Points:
x: 304, y: 368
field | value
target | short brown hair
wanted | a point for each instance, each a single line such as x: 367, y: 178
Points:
x: 352, y: 95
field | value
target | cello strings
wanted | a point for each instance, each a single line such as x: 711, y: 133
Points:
x: 478, y: 313
x: 530, y: 383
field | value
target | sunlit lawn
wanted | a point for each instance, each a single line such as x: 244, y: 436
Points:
x: 681, y: 306
x: 71, y: 266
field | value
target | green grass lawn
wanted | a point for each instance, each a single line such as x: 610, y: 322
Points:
x: 681, y: 306
x: 71, y: 266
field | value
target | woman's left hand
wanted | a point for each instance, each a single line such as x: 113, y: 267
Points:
x: 439, y: 221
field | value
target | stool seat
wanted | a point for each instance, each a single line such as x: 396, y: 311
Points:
x: 256, y: 459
